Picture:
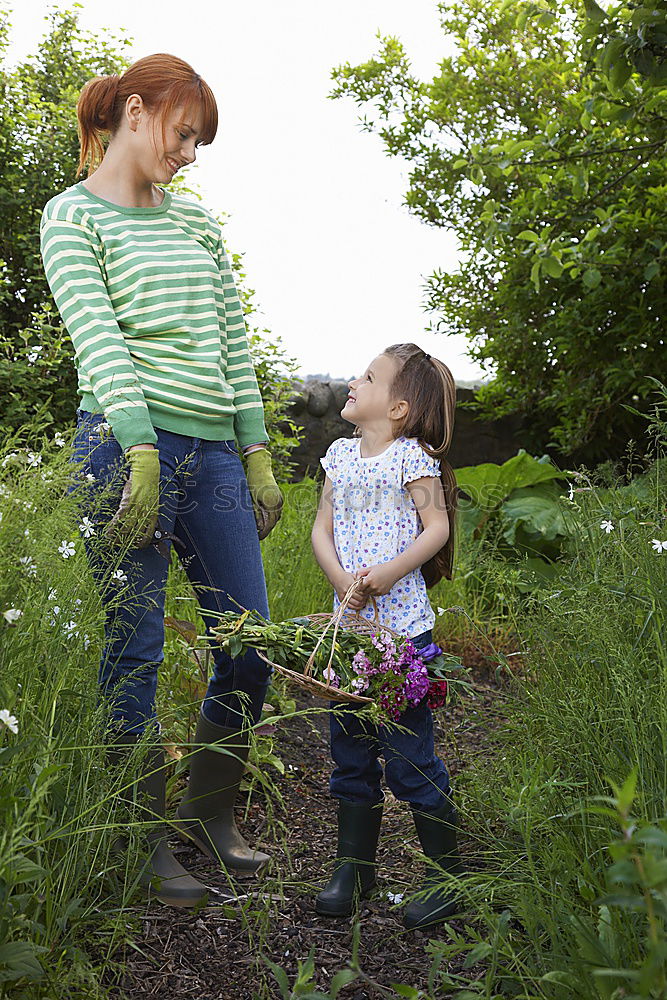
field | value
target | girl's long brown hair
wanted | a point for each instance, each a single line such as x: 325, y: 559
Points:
x: 163, y: 82
x: 429, y: 388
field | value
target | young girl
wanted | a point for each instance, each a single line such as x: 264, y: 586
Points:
x: 386, y: 519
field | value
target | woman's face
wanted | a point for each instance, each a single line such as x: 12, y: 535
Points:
x: 170, y: 143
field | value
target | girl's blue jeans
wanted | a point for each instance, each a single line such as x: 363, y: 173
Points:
x: 205, y: 502
x: 412, y: 770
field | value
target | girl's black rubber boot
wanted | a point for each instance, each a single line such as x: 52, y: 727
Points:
x: 354, y: 871
x: 437, y: 836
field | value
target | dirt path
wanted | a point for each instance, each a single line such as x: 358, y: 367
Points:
x: 216, y: 954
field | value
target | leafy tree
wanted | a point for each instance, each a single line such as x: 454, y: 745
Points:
x: 548, y: 164
x: 39, y: 152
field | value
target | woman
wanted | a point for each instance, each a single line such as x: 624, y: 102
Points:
x: 145, y: 289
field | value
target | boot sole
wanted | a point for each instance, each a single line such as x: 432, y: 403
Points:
x: 324, y: 910
x: 187, y: 903
x: 437, y: 918
x: 192, y: 838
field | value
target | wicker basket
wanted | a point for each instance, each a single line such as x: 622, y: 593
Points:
x: 343, y: 618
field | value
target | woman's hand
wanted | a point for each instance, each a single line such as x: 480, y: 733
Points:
x: 266, y: 496
x: 378, y: 579
x: 136, y: 518
x: 342, y: 585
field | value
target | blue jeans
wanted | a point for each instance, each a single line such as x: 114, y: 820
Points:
x: 412, y: 770
x: 205, y: 502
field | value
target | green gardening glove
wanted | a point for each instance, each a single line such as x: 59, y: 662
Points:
x: 266, y: 497
x: 136, y: 518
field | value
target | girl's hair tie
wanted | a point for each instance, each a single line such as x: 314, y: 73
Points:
x: 427, y: 356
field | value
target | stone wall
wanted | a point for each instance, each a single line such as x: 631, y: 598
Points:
x: 317, y: 405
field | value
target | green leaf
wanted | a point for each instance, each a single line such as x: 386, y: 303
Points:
x: 535, y: 509
x: 342, y: 978
x: 489, y: 484
x: 22, y: 869
x: 405, y: 991
x: 592, y: 277
x: 594, y: 12
x: 529, y: 234
x: 552, y: 266
x: 535, y: 274
x: 620, y: 73
x: 18, y: 960
x: 560, y: 978
x: 651, y: 270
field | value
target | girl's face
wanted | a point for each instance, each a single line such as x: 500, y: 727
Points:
x: 162, y: 158
x: 369, y: 401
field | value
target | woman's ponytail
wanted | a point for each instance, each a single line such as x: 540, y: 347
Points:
x: 98, y: 113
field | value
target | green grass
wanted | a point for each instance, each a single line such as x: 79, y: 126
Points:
x: 568, y: 888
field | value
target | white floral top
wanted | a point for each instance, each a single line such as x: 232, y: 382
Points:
x: 375, y: 519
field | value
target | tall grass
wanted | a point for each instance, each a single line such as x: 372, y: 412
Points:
x: 569, y: 819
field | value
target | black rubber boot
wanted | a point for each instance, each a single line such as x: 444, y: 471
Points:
x: 437, y: 836
x: 206, y: 810
x: 354, y: 871
x: 162, y: 876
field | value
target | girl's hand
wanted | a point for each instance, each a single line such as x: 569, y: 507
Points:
x: 342, y: 585
x: 378, y: 579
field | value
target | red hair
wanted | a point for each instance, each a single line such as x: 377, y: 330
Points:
x: 163, y: 82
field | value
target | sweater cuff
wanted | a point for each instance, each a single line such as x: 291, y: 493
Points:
x: 249, y: 429
x: 132, y: 428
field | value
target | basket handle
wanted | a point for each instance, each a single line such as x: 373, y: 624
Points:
x: 335, y: 621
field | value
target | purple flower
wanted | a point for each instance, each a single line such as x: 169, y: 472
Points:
x: 429, y: 652
x: 331, y: 677
x: 416, y: 685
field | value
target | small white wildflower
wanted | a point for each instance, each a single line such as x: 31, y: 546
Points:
x: 28, y: 506
x: 28, y: 564
x: 55, y: 610
x: 12, y: 615
x: 90, y: 477
x: 9, y: 720
x: 607, y: 526
x: 86, y: 642
x: 66, y: 549
x: 86, y: 528
x: 71, y: 628
x: 53, y: 593
x: 8, y: 458
x: 4, y: 492
x: 59, y: 439
x: 104, y: 427
x: 658, y: 545
x: 34, y: 459
x: 27, y: 532
x: 441, y: 611
x: 395, y: 897
x: 119, y: 576
x: 570, y: 495
x: 34, y: 354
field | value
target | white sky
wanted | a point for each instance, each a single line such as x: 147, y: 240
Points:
x: 336, y: 260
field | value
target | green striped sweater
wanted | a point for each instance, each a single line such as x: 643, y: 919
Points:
x: 149, y: 300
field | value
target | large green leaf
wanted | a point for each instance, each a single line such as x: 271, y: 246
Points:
x: 537, y: 510
x: 489, y: 484
x: 18, y: 960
